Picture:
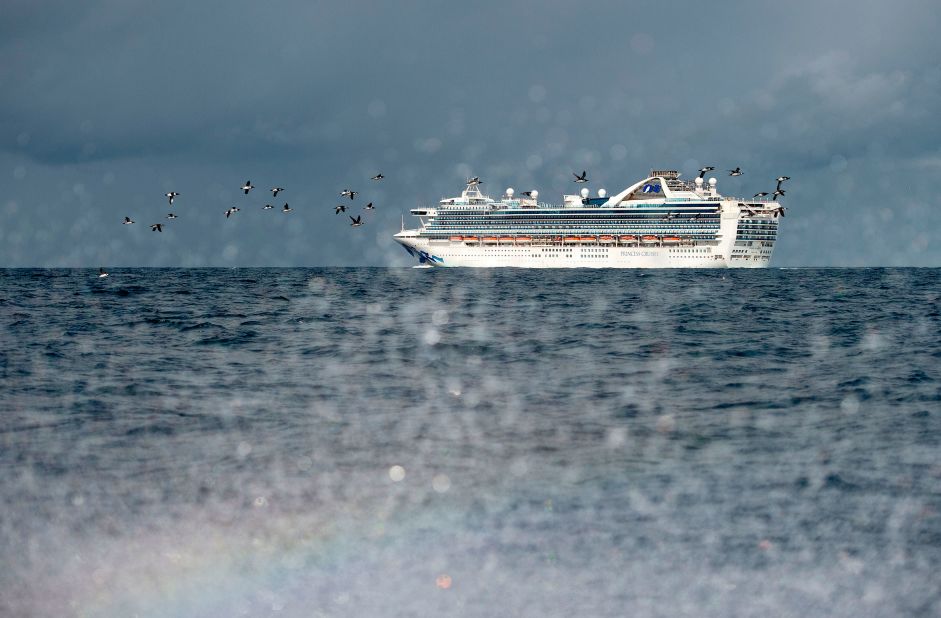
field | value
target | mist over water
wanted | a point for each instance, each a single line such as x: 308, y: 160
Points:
x: 362, y: 442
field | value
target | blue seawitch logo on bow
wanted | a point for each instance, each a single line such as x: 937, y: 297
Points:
x: 424, y: 256
x: 651, y: 188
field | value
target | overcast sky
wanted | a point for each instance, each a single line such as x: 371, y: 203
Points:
x: 106, y: 105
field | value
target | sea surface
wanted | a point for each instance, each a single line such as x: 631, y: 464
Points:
x: 404, y: 442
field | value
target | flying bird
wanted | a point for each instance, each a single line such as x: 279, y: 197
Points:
x: 776, y: 193
x: 783, y: 178
x: 171, y: 195
x: 582, y: 178
x: 267, y: 207
x: 101, y: 273
x: 527, y: 193
x: 703, y: 170
x: 171, y: 216
x: 762, y: 194
x: 356, y: 222
x: 248, y: 186
x: 378, y: 176
x: 156, y: 227
x: 349, y: 193
x: 340, y: 208
x: 276, y: 190
x: 285, y: 208
x: 231, y: 211
x: 369, y: 206
x: 779, y: 211
x: 736, y: 172
x: 127, y: 221
x: 475, y: 181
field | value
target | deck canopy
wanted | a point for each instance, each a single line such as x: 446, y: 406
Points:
x: 651, y: 187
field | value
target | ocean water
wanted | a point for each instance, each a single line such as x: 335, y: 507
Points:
x: 402, y: 442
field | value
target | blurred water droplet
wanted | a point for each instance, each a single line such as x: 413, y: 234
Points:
x: 305, y: 463
x: 617, y: 436
x: 243, y: 450
x: 666, y: 423
x: 537, y: 93
x: 439, y: 317
x: 850, y: 404
x: 376, y: 109
x: 441, y: 483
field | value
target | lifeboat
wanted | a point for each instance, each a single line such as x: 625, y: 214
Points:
x: 490, y: 240
x: 671, y: 239
x: 572, y: 239
x: 588, y: 239
x: 523, y: 239
x: 457, y: 238
x: 628, y: 238
x: 472, y: 239
x: 506, y: 239
x: 606, y: 239
x: 649, y: 239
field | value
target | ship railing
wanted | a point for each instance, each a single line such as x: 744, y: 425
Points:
x: 569, y: 239
x: 681, y: 185
x: 753, y: 200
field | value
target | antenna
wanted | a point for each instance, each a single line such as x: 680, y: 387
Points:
x: 403, y: 224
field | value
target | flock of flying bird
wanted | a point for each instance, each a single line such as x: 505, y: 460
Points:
x: 583, y: 177
x: 358, y: 220
x: 778, y: 191
x: 779, y: 211
x: 246, y: 188
x: 738, y: 172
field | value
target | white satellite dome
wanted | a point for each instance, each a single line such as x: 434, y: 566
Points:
x: 602, y: 193
x: 535, y: 194
x: 584, y: 192
x: 509, y: 192
x: 698, y: 181
x: 712, y: 182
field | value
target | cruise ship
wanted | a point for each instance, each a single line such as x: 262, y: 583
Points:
x: 659, y: 222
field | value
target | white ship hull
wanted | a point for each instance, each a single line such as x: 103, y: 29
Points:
x: 457, y: 254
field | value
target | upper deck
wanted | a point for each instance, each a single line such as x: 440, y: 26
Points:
x: 662, y: 189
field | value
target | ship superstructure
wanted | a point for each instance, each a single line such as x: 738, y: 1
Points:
x: 659, y: 222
